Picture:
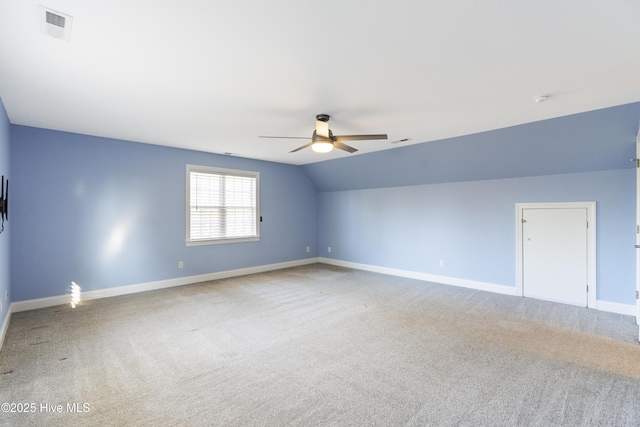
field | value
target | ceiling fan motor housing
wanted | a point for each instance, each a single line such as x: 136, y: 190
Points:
x: 323, y: 117
x: 316, y: 137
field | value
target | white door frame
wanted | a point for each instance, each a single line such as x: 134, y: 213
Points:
x: 591, y: 243
x: 638, y: 231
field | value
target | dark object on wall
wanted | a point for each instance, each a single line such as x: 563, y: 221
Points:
x: 4, y: 203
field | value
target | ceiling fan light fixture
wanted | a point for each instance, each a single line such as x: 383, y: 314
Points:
x: 322, y: 146
x: 323, y: 140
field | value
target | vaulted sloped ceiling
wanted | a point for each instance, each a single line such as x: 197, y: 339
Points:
x: 213, y: 76
x: 585, y: 142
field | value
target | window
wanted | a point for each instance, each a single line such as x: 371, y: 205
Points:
x: 222, y: 205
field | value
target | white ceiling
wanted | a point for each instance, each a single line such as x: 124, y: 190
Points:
x: 214, y: 75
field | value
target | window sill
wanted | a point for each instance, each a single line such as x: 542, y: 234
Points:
x: 220, y: 241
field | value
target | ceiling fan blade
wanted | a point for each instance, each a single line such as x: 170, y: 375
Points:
x: 300, y: 148
x: 322, y: 128
x: 345, y: 147
x: 359, y: 137
x: 286, y: 137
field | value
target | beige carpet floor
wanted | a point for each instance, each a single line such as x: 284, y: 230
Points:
x: 320, y: 345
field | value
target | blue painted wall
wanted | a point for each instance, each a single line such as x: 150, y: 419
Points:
x: 409, y: 207
x: 107, y: 213
x: 4, y: 236
x: 471, y: 225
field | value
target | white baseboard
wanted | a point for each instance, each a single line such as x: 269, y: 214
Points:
x: 34, y: 304
x: 4, y: 327
x: 613, y: 307
x: 453, y: 281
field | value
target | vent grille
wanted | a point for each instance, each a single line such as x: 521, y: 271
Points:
x: 55, y: 24
x: 54, y: 19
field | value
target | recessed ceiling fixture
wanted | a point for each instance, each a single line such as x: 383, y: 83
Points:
x: 55, y: 24
x: 541, y: 98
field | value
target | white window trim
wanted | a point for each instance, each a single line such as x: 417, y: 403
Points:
x: 209, y: 169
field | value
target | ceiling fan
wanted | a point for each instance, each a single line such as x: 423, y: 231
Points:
x: 323, y: 140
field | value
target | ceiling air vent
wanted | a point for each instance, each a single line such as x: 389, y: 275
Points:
x: 55, y: 24
x: 56, y: 20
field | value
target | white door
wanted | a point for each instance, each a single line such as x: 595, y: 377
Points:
x: 554, y: 254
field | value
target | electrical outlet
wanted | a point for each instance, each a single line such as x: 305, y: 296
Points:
x: 329, y: 249
x: 441, y: 263
x: 308, y: 249
x: 180, y: 264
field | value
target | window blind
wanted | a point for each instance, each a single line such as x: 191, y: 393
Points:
x: 222, y: 206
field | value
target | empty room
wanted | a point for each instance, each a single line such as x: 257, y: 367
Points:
x: 337, y: 213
